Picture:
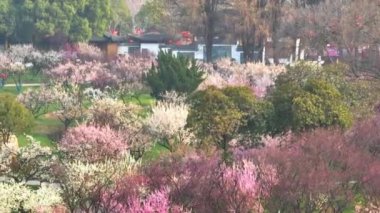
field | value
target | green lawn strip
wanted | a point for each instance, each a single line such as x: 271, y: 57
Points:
x: 13, y: 91
x: 154, y: 153
x: 142, y: 99
x: 43, y: 139
x: 44, y: 128
x: 31, y: 78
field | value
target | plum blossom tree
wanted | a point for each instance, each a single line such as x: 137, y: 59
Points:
x: 203, y: 184
x: 26, y: 163
x: 312, y: 166
x: 130, y: 72
x: 258, y: 76
x: 168, y: 121
x: 106, y: 111
x: 86, y: 73
x: 111, y: 112
x: 87, y: 52
x: 92, y: 144
x: 37, y: 101
x: 83, y: 184
x: 19, y: 62
x: 18, y: 197
x: 45, y: 60
x: 69, y: 101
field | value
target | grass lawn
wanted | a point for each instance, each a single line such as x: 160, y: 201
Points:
x: 12, y: 90
x: 154, y: 153
x: 43, y: 139
x: 141, y: 99
x: 44, y: 130
x: 30, y: 78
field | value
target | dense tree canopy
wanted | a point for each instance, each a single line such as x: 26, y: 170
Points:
x: 302, y: 100
x: 34, y: 21
x: 218, y: 116
x: 172, y: 73
x: 14, y: 117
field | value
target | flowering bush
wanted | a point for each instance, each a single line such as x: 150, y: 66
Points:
x: 258, y: 76
x: 111, y: 112
x: 92, y: 144
x: 18, y: 197
x: 94, y: 73
x: 168, y: 121
x: 87, y: 52
x: 84, y: 183
x: 37, y: 101
x: 203, y: 184
x: 69, y: 103
x: 26, y: 163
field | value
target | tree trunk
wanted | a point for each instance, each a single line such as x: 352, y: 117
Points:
x: 209, y: 37
x: 6, y: 44
x: 274, y: 47
x: 275, y: 25
x: 210, y: 8
x: 248, y: 51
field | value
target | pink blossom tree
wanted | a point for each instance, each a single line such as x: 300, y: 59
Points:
x: 203, y: 184
x: 92, y: 144
x: 132, y: 195
x: 255, y: 76
x: 87, y: 73
x: 130, y: 72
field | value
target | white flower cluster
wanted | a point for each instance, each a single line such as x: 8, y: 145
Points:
x: 69, y: 103
x: 37, y: 100
x: 14, y: 196
x: 109, y: 111
x: 85, y: 177
x: 20, y: 53
x: 34, y: 161
x: 168, y: 118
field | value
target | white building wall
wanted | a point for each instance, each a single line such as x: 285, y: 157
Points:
x: 235, y: 54
x: 152, y: 48
x: 122, y: 50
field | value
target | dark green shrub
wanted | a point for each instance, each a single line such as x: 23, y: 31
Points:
x: 180, y: 74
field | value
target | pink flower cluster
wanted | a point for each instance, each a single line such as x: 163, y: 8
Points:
x: 94, y: 73
x: 93, y: 143
x: 3, y: 76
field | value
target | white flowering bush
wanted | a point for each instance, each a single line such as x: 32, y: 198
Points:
x: 69, y: 101
x: 168, y: 121
x: 82, y: 183
x: 112, y: 112
x: 26, y: 163
x: 20, y: 53
x: 15, y: 197
x: 45, y: 60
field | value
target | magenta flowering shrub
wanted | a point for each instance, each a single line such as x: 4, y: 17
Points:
x: 131, y: 194
x: 92, y: 144
x: 317, y: 170
x: 204, y: 184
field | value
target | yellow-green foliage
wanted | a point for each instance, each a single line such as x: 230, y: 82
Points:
x: 14, y: 117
